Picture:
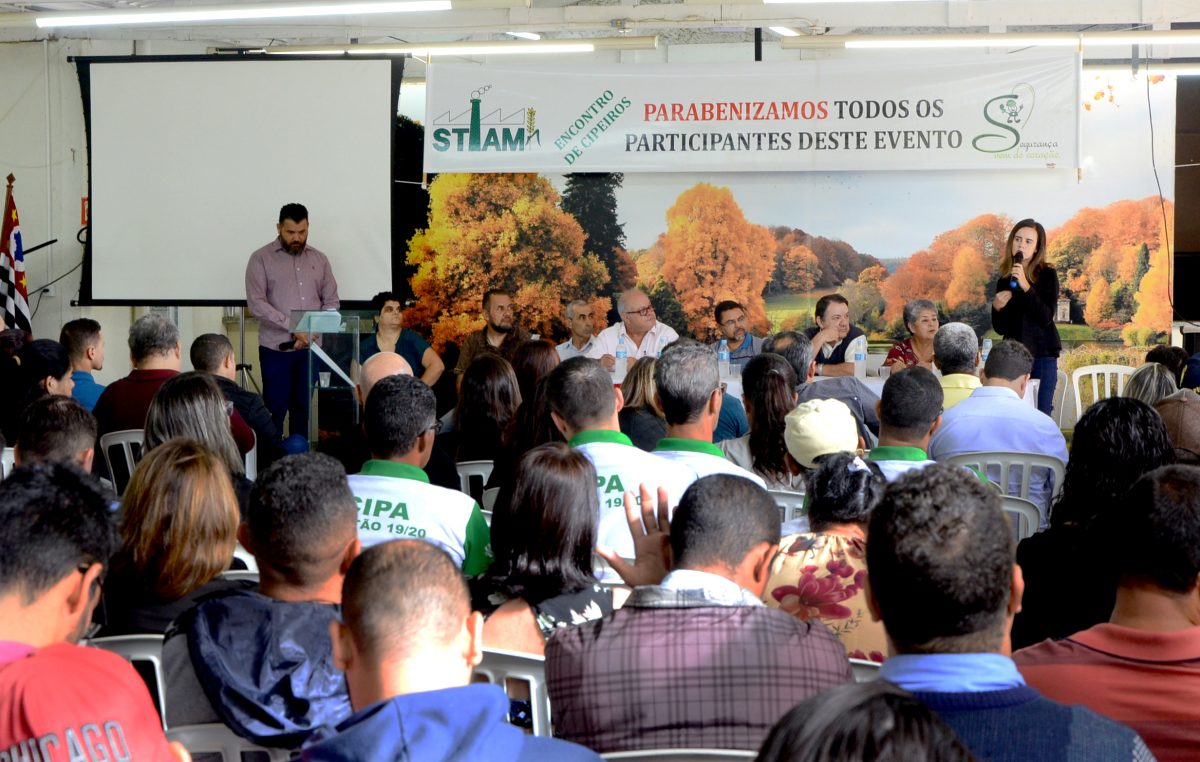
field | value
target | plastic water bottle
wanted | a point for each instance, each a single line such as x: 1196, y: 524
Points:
x: 859, y: 348
x: 987, y: 348
x: 622, y: 358
x: 723, y: 358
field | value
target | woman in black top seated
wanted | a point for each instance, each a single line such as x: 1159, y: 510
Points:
x: 543, y: 532
x: 640, y: 418
x: 487, y: 408
x: 1070, y: 569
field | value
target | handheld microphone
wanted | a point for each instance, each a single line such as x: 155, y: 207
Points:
x: 1017, y: 259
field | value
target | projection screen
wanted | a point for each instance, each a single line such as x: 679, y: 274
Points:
x: 192, y: 158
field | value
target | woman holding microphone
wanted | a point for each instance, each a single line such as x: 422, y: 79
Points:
x: 1025, y: 303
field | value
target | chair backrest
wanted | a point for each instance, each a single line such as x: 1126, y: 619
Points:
x: 864, y: 670
x: 240, y: 575
x: 681, y: 755
x: 1062, y: 398
x: 513, y: 671
x: 481, y: 470
x: 244, y: 556
x: 1024, y: 515
x: 144, y: 652
x: 218, y: 739
x: 1104, y: 381
x: 1025, y: 462
x: 252, y: 459
x: 7, y: 462
x: 791, y: 504
x: 129, y: 442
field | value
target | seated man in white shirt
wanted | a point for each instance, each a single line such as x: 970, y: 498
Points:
x: 583, y: 329
x: 395, y: 499
x: 689, y: 394
x: 584, y: 407
x: 996, y: 418
x: 639, y: 331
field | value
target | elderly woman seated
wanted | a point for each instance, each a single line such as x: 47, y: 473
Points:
x: 921, y: 320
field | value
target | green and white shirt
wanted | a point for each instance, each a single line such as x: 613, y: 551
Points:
x: 895, y: 460
x: 705, y: 458
x: 397, y: 502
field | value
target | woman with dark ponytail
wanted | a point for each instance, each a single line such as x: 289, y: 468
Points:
x: 769, y: 394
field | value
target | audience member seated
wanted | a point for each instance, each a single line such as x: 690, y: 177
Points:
x: 816, y: 428
x: 56, y: 698
x: 1150, y: 383
x: 532, y: 362
x: 940, y: 561
x: 154, y: 352
x: 55, y: 429
x: 582, y: 326
x: 43, y: 369
x: 584, y: 406
x: 819, y: 575
x: 408, y: 643
x: 732, y: 326
x: 996, y: 418
x: 84, y: 343
x: 1174, y: 358
x: 178, y: 525
x: 798, y: 351
x: 639, y: 331
x: 212, y: 353
x: 1191, y: 373
x: 1142, y: 667
x: 921, y: 322
x: 543, y: 533
x: 260, y: 661
x: 1181, y: 414
x: 956, y: 355
x: 488, y: 399
x: 531, y: 426
x: 641, y: 418
x: 394, y: 496
x: 831, y: 336
x: 768, y: 384
x: 862, y: 722
x: 391, y: 336
x: 499, y: 336
x: 693, y: 659
x: 910, y: 412
x: 190, y: 405
x: 689, y: 393
x: 1071, y: 568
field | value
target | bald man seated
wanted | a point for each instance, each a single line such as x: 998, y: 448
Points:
x: 408, y: 643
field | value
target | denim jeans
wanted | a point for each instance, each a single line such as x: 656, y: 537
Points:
x: 1045, y: 369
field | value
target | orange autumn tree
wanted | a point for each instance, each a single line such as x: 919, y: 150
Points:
x: 1154, y: 297
x: 712, y: 253
x: 969, y: 278
x: 498, y: 231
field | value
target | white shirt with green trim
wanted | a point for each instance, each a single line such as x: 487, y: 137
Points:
x: 705, y: 458
x: 397, y: 502
x: 897, y: 460
x: 620, y: 468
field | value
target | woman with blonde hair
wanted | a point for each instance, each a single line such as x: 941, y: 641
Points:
x: 178, y: 528
x: 641, y: 418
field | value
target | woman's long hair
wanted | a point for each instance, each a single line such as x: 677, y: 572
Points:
x: 769, y: 389
x: 487, y: 403
x: 191, y: 405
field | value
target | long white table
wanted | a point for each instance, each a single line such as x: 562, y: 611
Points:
x: 733, y: 386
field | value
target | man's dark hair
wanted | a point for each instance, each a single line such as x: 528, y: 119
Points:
x: 1160, y: 532
x: 152, y: 334
x: 54, y: 428
x: 209, y: 350
x: 487, y: 295
x: 580, y: 391
x: 1174, y: 358
x: 399, y: 409
x: 301, y: 515
x: 1008, y: 360
x: 293, y: 212
x: 911, y: 401
x: 382, y: 298
x: 720, y: 519
x: 794, y: 347
x: 402, y: 593
x: 824, y: 302
x: 725, y: 306
x: 77, y: 335
x: 53, y: 518
x: 940, y: 560
x: 685, y: 377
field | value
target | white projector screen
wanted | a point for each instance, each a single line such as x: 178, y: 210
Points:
x: 192, y: 159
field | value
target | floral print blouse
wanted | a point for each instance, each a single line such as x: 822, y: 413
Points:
x: 820, y: 576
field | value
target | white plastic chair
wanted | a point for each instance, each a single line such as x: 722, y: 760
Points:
x: 7, y: 462
x: 499, y: 667
x: 218, y: 739
x: 864, y: 670
x: 489, y: 500
x: 471, y: 468
x: 1025, y: 462
x: 681, y: 755
x: 1025, y: 516
x: 240, y: 575
x: 145, y: 649
x: 1060, y: 400
x: 1109, y: 379
x: 252, y: 459
x: 791, y: 504
x: 130, y: 442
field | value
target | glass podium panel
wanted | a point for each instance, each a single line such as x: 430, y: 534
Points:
x: 332, y: 369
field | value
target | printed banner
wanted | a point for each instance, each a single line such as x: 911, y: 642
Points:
x: 949, y: 112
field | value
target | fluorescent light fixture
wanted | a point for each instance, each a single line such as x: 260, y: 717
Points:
x: 784, y: 31
x: 471, y: 48
x: 1000, y: 40
x: 244, y: 12
x: 836, y: 2
x: 525, y: 35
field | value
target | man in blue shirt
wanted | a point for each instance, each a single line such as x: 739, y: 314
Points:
x: 943, y: 581
x: 733, y: 326
x: 85, y: 346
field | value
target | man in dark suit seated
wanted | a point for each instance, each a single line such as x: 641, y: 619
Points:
x: 212, y: 353
x: 831, y: 336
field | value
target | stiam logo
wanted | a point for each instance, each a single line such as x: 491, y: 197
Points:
x: 1008, y: 112
x: 495, y: 131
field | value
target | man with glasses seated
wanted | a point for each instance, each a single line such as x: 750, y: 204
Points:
x: 732, y: 326
x: 643, y: 335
